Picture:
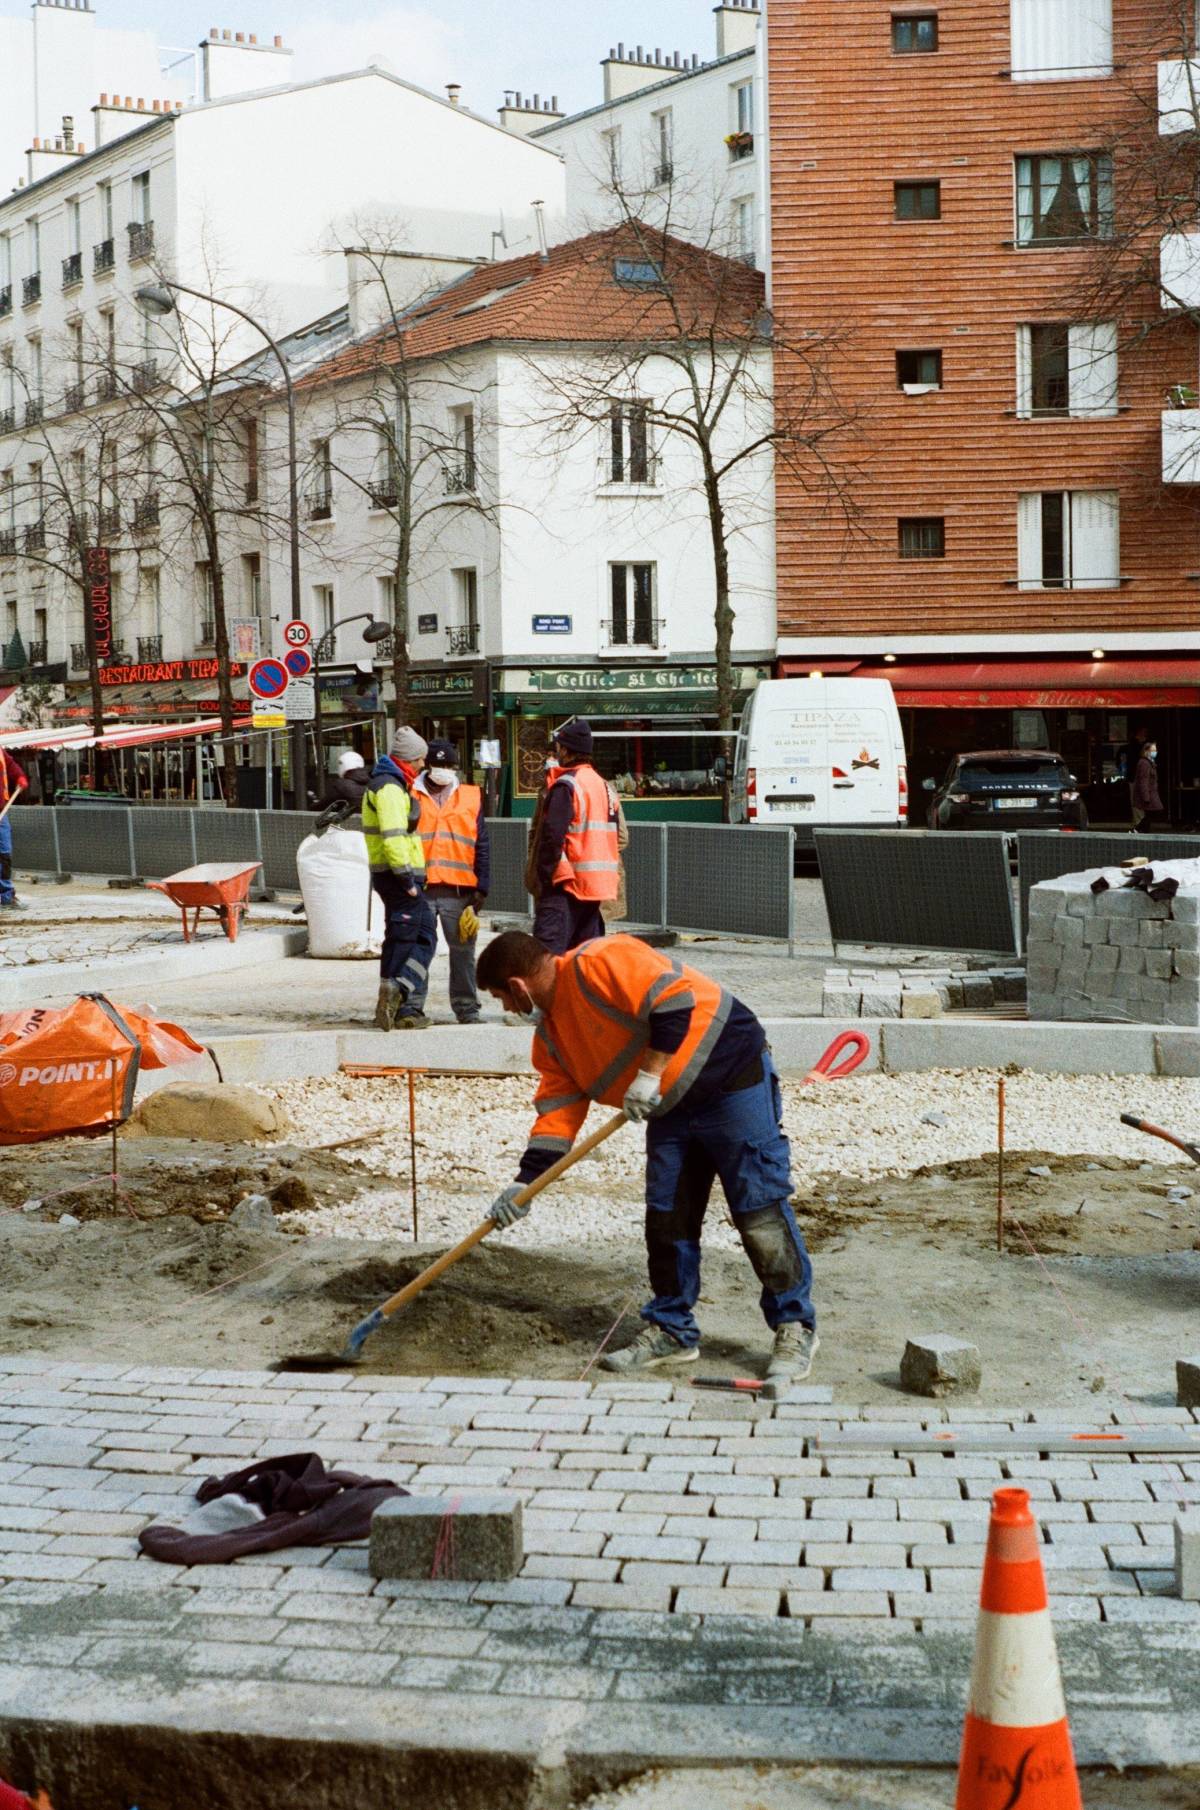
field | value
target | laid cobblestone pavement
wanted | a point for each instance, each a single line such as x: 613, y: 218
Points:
x: 682, y: 1548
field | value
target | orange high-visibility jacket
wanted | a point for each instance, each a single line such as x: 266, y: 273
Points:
x: 590, y: 867
x: 589, y: 1045
x: 447, y: 835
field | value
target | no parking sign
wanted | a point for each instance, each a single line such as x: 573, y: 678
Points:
x: 268, y: 678
x: 298, y: 661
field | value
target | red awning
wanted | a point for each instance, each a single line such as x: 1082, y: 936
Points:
x: 126, y: 735
x: 1117, y: 684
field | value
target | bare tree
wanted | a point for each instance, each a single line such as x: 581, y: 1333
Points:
x: 681, y: 343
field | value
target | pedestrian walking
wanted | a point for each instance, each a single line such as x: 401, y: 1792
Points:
x: 458, y: 871
x: 349, y: 782
x: 1147, y: 804
x: 622, y: 1023
x: 390, y: 816
x: 13, y: 780
x: 576, y: 865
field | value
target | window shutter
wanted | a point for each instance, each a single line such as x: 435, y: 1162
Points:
x: 1095, y: 539
x: 1029, y: 540
x: 1092, y: 363
x: 1024, y: 372
x: 1056, y: 38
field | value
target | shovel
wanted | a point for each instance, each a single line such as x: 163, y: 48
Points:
x: 1156, y: 1131
x: 352, y: 1352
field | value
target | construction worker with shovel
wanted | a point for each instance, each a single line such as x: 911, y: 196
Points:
x: 619, y: 1022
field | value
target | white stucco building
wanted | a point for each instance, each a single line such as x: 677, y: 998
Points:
x: 252, y: 197
x: 683, y: 131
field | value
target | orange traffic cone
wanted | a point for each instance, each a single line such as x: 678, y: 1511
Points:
x: 1016, y: 1750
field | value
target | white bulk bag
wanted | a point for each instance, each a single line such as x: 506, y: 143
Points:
x: 345, y: 916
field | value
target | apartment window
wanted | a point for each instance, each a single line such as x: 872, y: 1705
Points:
x: 466, y: 601
x: 251, y: 448
x: 104, y: 208
x: 918, y: 200
x: 384, y: 489
x: 1067, y: 369
x: 463, y: 472
x: 41, y: 632
x: 628, y: 460
x: 744, y: 238
x: 632, y: 588
x: 919, y: 370
x: 914, y: 33
x: 922, y: 537
x: 206, y: 631
x: 611, y: 143
x: 1068, y: 540
x: 5, y: 261
x: 33, y: 248
x: 320, y: 496
x: 664, y: 138
x: 323, y: 615
x: 385, y: 591
x: 150, y: 607
x: 139, y: 194
x: 35, y: 368
x: 252, y: 584
x: 1060, y: 40
x: 74, y: 223
x: 741, y: 139
x: 12, y: 624
x: 1064, y: 196
x: 8, y: 387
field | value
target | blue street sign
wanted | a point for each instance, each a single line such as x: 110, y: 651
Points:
x: 552, y: 625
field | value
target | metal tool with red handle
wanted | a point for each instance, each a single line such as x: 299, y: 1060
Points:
x: 1168, y: 1137
x: 859, y: 1045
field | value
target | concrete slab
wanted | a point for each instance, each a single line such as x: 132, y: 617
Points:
x: 124, y: 977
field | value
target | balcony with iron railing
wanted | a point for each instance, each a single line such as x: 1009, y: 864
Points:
x: 8, y: 420
x: 35, y: 408
x: 149, y: 648
x: 104, y: 257
x: 144, y: 376
x: 110, y: 521
x: 384, y: 493
x: 106, y: 387
x: 8, y: 543
x: 634, y: 471
x: 73, y: 398
x: 319, y: 504
x: 35, y: 653
x: 141, y: 239
x: 77, y: 532
x: 31, y: 289
x: 463, y: 638
x: 632, y: 632
x: 145, y: 512
x: 79, y: 656
x: 34, y: 538
x: 664, y: 174
x: 72, y: 270
x: 461, y: 480
x: 6, y: 299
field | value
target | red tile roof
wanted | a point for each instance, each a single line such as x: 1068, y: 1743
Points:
x: 583, y: 290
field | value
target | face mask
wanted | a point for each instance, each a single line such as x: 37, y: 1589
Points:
x: 1152, y: 754
x: 442, y: 776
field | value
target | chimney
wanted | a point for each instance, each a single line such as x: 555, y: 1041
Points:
x: 629, y: 72
x: 453, y: 90
x: 737, y: 26
x: 522, y: 114
x: 68, y: 131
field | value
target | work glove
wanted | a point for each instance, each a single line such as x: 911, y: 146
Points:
x: 468, y: 924
x: 643, y: 1097
x: 504, y: 1209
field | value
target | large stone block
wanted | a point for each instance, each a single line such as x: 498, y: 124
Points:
x: 1158, y: 963
x: 920, y: 1002
x: 1187, y: 1555
x: 1095, y: 930
x: 468, y: 1537
x: 1068, y: 930
x: 977, y: 991
x: 1177, y: 1054
x: 1104, y: 959
x: 1123, y: 933
x: 1187, y: 1382
x: 937, y: 1364
x: 881, y: 1002
x: 1186, y: 963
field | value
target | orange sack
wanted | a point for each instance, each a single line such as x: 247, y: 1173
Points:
x: 70, y: 1069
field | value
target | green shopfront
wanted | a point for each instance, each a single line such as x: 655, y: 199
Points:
x: 655, y: 730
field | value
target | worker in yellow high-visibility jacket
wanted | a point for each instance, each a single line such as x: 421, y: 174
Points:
x: 390, y: 815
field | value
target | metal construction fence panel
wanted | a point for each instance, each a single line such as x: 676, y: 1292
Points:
x: 164, y: 840
x: 34, y: 838
x: 737, y: 880
x: 918, y: 889
x: 94, y: 839
x: 509, y: 837
x: 1044, y: 854
x: 645, y: 863
x: 227, y: 836
x: 282, y: 833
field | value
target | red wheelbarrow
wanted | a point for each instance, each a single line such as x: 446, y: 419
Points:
x: 222, y: 887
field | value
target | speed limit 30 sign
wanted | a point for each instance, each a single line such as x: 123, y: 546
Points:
x: 297, y: 634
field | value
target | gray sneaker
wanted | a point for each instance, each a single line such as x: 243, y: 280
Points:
x: 387, y: 1004
x: 653, y: 1349
x: 792, y: 1357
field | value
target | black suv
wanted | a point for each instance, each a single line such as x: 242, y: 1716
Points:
x: 1006, y: 789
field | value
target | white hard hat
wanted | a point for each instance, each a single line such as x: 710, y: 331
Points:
x: 348, y: 761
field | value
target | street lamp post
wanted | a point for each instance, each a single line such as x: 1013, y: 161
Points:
x: 160, y: 297
x: 374, y: 632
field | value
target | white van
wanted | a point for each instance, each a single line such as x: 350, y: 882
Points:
x: 821, y: 753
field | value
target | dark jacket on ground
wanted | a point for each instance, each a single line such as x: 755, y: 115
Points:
x: 303, y: 1505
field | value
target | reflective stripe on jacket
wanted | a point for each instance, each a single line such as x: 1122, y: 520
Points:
x: 448, y: 835
x: 388, y: 811
x: 589, y: 1044
x: 589, y: 867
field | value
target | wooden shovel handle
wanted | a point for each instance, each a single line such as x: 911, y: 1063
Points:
x: 1156, y: 1131
x: 449, y: 1258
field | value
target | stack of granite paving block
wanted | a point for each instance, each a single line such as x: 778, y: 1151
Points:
x: 1103, y: 949
x: 918, y: 992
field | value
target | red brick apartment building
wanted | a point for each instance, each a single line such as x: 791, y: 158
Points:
x: 1028, y: 570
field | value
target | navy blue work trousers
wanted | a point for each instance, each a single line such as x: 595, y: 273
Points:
x: 409, y: 934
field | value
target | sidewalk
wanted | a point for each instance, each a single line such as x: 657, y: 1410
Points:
x: 701, y: 1579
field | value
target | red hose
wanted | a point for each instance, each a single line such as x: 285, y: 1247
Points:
x: 860, y: 1046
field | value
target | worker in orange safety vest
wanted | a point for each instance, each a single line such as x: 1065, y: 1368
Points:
x: 12, y: 780
x: 577, y: 864
x: 622, y: 1023
x: 458, y: 871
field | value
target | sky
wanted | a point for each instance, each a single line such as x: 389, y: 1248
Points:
x: 553, y: 46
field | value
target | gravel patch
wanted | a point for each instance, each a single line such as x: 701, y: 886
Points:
x: 470, y: 1135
